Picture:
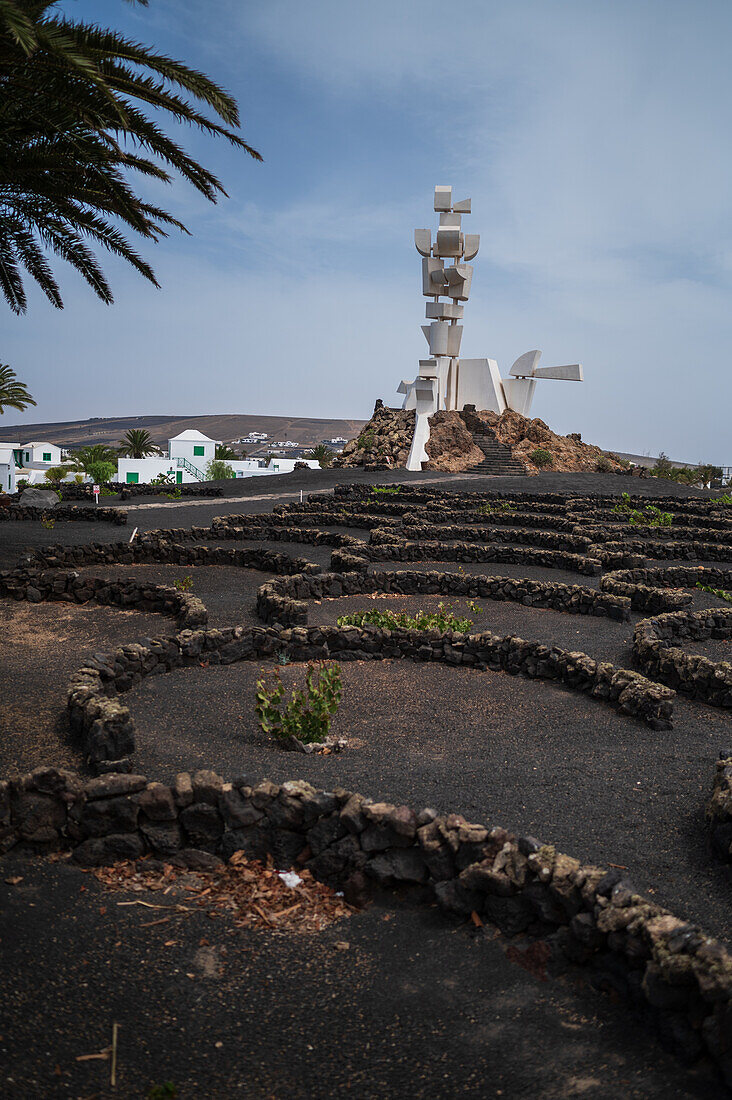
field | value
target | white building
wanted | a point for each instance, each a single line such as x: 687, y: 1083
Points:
x: 40, y: 454
x: 8, y: 459
x: 187, y: 459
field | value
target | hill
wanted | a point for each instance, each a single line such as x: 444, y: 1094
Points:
x: 76, y: 433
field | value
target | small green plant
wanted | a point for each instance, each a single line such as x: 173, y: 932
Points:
x: 541, y: 457
x: 183, y: 584
x: 367, y: 439
x: 442, y: 619
x: 21, y: 483
x: 48, y: 522
x: 726, y: 498
x: 166, y: 1091
x: 721, y: 593
x: 495, y: 506
x: 624, y: 507
x: 380, y: 490
x: 650, y: 516
x: 105, y: 491
x: 604, y: 465
x: 79, y: 479
x: 308, y: 713
x: 175, y: 494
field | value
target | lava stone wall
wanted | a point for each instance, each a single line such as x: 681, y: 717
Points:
x: 577, y: 913
x: 89, y: 515
x: 657, y: 652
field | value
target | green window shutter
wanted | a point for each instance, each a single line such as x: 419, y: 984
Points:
x: 27, y: 456
x: 199, y: 452
x: 46, y: 456
x: 132, y: 479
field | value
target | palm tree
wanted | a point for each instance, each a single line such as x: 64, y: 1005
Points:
x: 224, y: 452
x: 73, y: 129
x: 322, y: 454
x: 13, y: 394
x: 138, y: 443
x: 97, y: 461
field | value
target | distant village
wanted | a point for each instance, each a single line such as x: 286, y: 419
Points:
x: 185, y: 460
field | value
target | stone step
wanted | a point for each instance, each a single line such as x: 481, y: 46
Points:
x: 499, y: 460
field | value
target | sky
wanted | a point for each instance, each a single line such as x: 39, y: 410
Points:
x: 593, y: 137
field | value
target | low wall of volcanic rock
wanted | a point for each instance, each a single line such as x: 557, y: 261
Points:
x: 658, y: 654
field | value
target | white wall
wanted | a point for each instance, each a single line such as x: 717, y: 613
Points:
x: 148, y: 468
x: 183, y: 448
x: 7, y: 473
x: 37, y: 453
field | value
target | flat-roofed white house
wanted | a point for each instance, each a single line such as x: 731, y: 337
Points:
x: 187, y: 459
x: 39, y: 454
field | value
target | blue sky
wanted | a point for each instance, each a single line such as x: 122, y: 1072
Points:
x: 594, y: 139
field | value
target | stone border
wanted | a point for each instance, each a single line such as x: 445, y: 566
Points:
x: 656, y: 652
x: 69, y: 587
x: 645, y: 587
x: 283, y: 601
x: 157, y: 548
x: 579, y: 913
x: 475, y: 552
x: 20, y: 512
x: 719, y: 808
x: 107, y: 730
x: 537, y: 539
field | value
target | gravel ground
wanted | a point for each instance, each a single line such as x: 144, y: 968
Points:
x: 413, y: 1005
x: 527, y: 755
x: 44, y: 644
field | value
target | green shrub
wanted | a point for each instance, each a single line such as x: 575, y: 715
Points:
x: 604, y: 465
x: 495, y: 506
x: 442, y: 619
x: 217, y: 470
x: 726, y: 498
x: 79, y: 479
x: 21, y: 483
x: 719, y: 592
x: 650, y: 516
x: 56, y: 473
x: 183, y: 584
x: 367, y: 439
x: 101, y: 471
x: 308, y: 713
x: 389, y: 489
x: 48, y: 522
x: 540, y: 457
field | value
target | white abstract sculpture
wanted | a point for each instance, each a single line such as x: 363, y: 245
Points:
x: 444, y: 380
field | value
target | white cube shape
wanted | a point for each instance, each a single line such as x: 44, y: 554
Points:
x: 459, y: 279
x: 450, y: 219
x: 432, y: 268
x: 443, y: 338
x: 462, y: 207
x: 423, y: 241
x: 478, y: 382
x: 443, y: 311
x: 449, y: 241
x: 443, y: 198
x: 519, y: 394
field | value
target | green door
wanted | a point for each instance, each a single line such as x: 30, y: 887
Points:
x: 178, y: 477
x: 132, y: 479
